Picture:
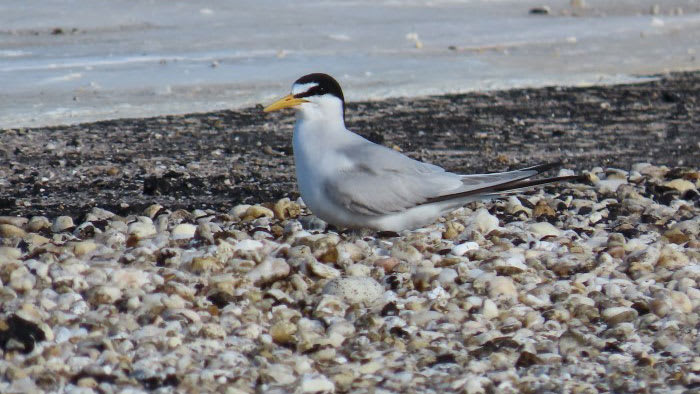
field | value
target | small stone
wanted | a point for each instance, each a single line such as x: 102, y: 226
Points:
x: 387, y: 263
x: 11, y: 231
x: 98, y: 214
x: 82, y: 248
x: 406, y: 252
x: 239, y: 210
x: 502, y: 286
x: 283, y: 332
x: 62, y: 223
x: 128, y: 278
x: 183, y: 231
x: 16, y: 221
x: 543, y: 210
x: 257, y: 211
x: 314, y: 383
x: 205, y: 264
x: 22, y: 280
x: 511, y: 264
x: 543, y: 10
x: 619, y: 314
x: 672, y: 259
x: 87, y: 382
x: 355, y: 289
x: 143, y: 228
x: 677, y: 349
x: 9, y: 254
x: 489, y: 309
x: 609, y: 186
x: 681, y: 302
x: 463, y: 248
x: 286, y: 209
x: 681, y: 185
x: 323, y: 270
x: 213, y: 330
x: 452, y: 230
x: 447, y: 277
x: 515, y: 207
x: 279, y: 373
x: 38, y: 223
x: 484, y: 222
x: 152, y: 210
x: 544, y: 229
x: 270, y: 270
x: 105, y: 294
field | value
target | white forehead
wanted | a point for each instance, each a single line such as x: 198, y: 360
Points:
x: 304, y: 87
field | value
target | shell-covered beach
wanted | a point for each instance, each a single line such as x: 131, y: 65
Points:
x: 173, y: 254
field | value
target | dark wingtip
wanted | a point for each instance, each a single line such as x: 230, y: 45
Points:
x: 519, y: 183
x: 543, y: 167
x: 536, y: 182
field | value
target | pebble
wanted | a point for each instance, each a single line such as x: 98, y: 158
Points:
x: 143, y: 228
x: 62, y: 223
x: 489, y: 309
x: 11, y: 231
x: 502, y: 287
x: 183, y: 231
x: 463, y: 248
x: 270, y: 270
x: 484, y: 222
x: 257, y: 211
x: 38, y: 223
x: 105, y: 294
x: 286, y: 209
x: 404, y: 251
x: 387, y: 263
x: 9, y: 254
x: 681, y: 185
x: 16, y: 221
x: 355, y: 289
x: 82, y: 248
x: 681, y: 302
x: 544, y: 229
x: 22, y: 280
x: 323, y: 270
x: 618, y: 314
x: 314, y: 383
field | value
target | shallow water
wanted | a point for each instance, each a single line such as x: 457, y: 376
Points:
x: 81, y: 60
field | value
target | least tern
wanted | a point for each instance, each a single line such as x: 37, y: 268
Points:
x: 349, y: 181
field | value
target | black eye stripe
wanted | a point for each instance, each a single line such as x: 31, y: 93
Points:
x: 314, y: 91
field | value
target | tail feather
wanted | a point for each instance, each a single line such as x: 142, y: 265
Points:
x: 510, y: 185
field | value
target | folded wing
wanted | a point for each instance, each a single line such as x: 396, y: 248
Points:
x: 382, y: 181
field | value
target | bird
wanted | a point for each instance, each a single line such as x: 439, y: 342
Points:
x: 351, y: 182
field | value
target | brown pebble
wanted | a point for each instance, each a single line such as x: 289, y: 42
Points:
x: 387, y: 263
x: 543, y: 210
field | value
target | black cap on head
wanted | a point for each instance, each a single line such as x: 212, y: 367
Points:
x: 325, y: 84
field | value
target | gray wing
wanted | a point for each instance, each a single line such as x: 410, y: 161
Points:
x: 382, y: 181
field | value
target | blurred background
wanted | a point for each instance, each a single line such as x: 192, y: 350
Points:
x: 70, y: 61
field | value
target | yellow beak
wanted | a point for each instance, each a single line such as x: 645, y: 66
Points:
x: 285, y: 102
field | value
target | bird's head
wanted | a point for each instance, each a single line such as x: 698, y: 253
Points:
x: 314, y: 95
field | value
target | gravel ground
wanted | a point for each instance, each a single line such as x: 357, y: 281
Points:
x: 137, y: 256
